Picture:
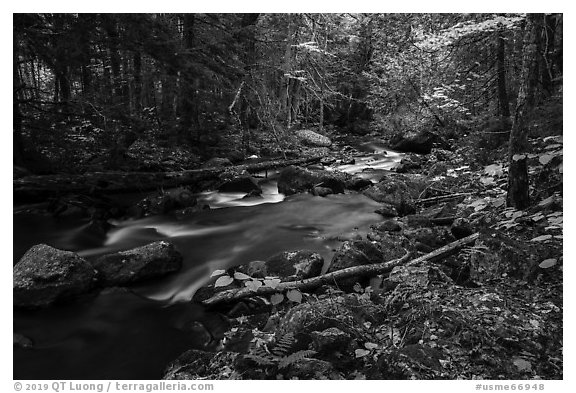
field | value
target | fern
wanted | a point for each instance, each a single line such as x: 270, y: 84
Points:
x: 284, y: 345
x: 279, y: 354
x: 295, y: 357
x: 261, y: 360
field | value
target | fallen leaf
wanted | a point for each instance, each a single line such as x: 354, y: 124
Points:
x: 370, y: 345
x: 223, y: 281
x: 253, y: 285
x: 294, y: 295
x: 547, y: 263
x: 361, y: 352
x: 272, y: 282
x: 218, y: 272
x: 518, y: 157
x: 541, y: 238
x: 241, y: 276
x: 277, y: 298
x: 523, y: 365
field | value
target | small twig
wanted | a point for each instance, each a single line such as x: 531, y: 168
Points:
x: 442, y: 198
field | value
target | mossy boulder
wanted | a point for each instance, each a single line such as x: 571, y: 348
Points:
x: 45, y: 275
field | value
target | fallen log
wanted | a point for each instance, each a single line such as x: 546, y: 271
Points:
x: 38, y: 188
x: 232, y: 295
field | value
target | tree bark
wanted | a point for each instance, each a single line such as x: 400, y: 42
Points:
x: 17, y: 143
x: 187, y: 83
x: 502, y: 91
x: 548, y: 71
x: 137, y: 90
x: 518, y: 191
x: 232, y: 295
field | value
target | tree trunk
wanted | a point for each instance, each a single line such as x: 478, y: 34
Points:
x: 85, y: 73
x: 187, y: 97
x: 548, y: 71
x: 137, y: 90
x: 502, y: 91
x: 518, y: 191
x: 17, y: 143
x: 248, y: 43
x: 113, y: 41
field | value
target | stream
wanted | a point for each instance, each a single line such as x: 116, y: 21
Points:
x: 120, y: 334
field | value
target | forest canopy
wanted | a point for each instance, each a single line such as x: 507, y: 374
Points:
x: 212, y: 82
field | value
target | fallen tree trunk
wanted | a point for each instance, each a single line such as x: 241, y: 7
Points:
x: 37, y: 188
x: 232, y: 295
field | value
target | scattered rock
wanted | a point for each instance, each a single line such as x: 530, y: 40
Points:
x: 245, y: 184
x: 139, y: 264
x: 321, y: 191
x: 505, y: 255
x: 416, y: 277
x: 356, y: 183
x: 387, y: 226
x: 45, y: 275
x: 354, y: 253
x: 387, y: 210
x: 392, y: 246
x: 436, y: 169
x: 330, y: 340
x: 310, y: 369
x: 288, y: 266
x: 399, y: 192
x: 461, y: 228
x: 327, y: 161
x: 414, y: 361
x: 163, y: 203
x: 312, y: 138
x: 420, y: 143
x: 429, y: 239
x: 295, y: 179
x: 408, y: 163
x: 318, y: 315
x: 21, y: 341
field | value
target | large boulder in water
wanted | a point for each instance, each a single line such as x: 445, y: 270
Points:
x: 288, y: 265
x: 420, y: 143
x: 45, y: 275
x: 294, y: 179
x: 312, y: 138
x: 139, y: 264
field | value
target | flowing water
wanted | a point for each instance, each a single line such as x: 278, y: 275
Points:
x: 119, y: 334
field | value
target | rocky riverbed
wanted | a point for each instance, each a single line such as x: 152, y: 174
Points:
x: 460, y: 314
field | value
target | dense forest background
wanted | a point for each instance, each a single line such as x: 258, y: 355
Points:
x: 113, y: 91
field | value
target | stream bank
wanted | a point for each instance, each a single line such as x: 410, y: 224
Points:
x: 419, y: 322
